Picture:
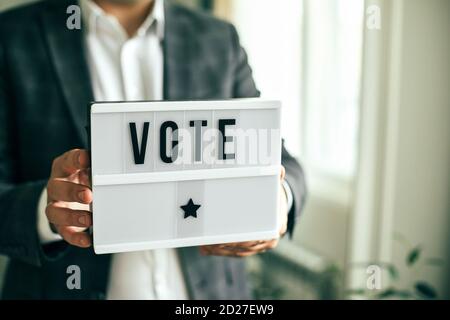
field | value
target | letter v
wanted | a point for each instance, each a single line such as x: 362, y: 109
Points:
x: 139, y: 153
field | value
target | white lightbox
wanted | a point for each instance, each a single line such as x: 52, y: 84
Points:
x: 175, y: 174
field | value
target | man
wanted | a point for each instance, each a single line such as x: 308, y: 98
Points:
x: 125, y: 50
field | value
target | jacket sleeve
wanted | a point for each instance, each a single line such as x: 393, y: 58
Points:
x: 18, y: 201
x: 244, y: 86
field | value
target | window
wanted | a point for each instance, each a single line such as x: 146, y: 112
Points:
x: 332, y: 49
x: 308, y: 54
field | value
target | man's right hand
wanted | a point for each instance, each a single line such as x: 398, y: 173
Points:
x: 69, y: 196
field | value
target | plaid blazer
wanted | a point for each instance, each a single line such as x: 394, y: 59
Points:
x: 44, y: 91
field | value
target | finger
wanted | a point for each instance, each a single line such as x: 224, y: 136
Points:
x: 246, y: 254
x: 60, y: 190
x: 282, y: 173
x: 235, y: 254
x: 67, y: 217
x: 70, y: 162
x: 221, y: 252
x: 256, y: 248
x: 244, y: 245
x: 239, y: 249
x: 237, y: 246
x: 84, y: 177
x: 204, y: 251
x: 240, y: 244
x: 251, y: 252
x: 217, y: 250
x: 260, y: 246
x: 209, y: 249
x: 81, y: 177
x: 75, y: 237
x: 267, y: 245
x: 250, y: 243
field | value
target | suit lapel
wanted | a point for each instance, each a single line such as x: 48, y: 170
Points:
x: 179, y: 51
x: 66, y: 48
x: 179, y: 46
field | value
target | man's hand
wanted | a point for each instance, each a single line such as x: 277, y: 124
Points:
x: 249, y: 248
x: 69, y: 196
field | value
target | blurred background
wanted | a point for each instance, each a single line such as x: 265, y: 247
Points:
x: 365, y: 87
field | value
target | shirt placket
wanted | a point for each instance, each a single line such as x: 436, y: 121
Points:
x: 160, y: 269
x: 131, y: 70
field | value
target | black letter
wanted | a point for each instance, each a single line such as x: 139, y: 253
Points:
x: 139, y: 155
x: 162, y: 141
x: 198, y: 124
x: 223, y: 139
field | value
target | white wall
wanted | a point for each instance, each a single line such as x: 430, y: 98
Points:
x: 421, y: 206
x: 404, y: 175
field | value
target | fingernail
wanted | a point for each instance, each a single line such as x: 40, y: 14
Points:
x: 82, y: 195
x: 82, y: 220
x: 79, y: 159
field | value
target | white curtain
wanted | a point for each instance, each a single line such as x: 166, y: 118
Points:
x: 308, y: 54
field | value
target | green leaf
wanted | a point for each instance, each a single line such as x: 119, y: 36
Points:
x: 355, y: 291
x: 393, y: 272
x: 425, y: 290
x: 392, y: 292
x: 386, y: 294
x: 404, y: 294
x: 413, y: 256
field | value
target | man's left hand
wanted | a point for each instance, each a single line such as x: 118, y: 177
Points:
x: 249, y: 248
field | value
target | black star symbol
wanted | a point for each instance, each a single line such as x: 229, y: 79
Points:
x: 190, y: 209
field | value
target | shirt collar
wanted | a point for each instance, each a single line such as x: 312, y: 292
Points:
x: 91, y: 13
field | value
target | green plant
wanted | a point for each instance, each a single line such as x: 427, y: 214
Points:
x: 418, y: 290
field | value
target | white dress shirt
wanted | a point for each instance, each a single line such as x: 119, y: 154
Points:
x: 124, y: 68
